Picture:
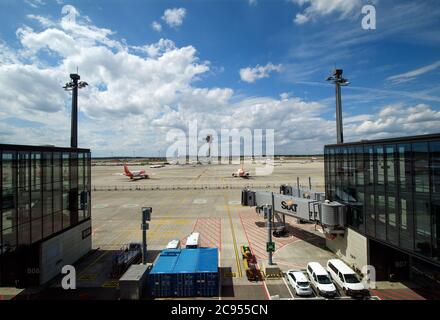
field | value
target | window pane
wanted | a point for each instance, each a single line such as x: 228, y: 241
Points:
x: 435, y: 168
x: 9, y: 237
x: 392, y: 220
x: 36, y: 172
x: 66, y: 172
x: 24, y: 234
x: 36, y: 230
x: 405, y: 179
x: 423, y: 226
x: 23, y: 170
x: 370, y: 215
x: 57, y: 221
x: 57, y: 197
x: 57, y: 167
x: 66, y: 211
x: 421, y: 167
x: 7, y: 170
x: 381, y: 218
x: 360, y: 171
x: 24, y: 205
x: 47, y: 226
x: 380, y: 166
x: 390, y: 169
x: 8, y: 220
x: 406, y: 225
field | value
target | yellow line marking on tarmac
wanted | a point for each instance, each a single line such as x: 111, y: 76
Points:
x: 102, y: 255
x: 233, y: 238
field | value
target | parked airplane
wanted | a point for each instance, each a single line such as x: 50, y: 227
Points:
x: 135, y: 174
x: 241, y: 173
x: 157, y: 166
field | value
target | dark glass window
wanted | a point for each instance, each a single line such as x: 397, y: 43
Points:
x: 406, y: 222
x: 435, y: 195
x: 9, y: 238
x: 66, y: 172
x: 370, y: 215
x: 369, y: 165
x: 360, y: 170
x: 36, y: 228
x: 36, y: 172
x: 392, y: 235
x: 422, y: 217
x: 390, y: 169
x: 7, y: 170
x: 66, y: 211
x: 380, y: 165
x: 421, y: 167
x: 8, y: 203
x: 381, y: 217
x: 405, y: 178
x: 57, y: 167
x: 57, y: 221
x: 24, y: 234
x: 23, y: 170
x: 66, y: 190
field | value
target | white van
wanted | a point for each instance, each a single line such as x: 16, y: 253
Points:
x: 345, y: 278
x: 320, y: 279
x: 193, y: 241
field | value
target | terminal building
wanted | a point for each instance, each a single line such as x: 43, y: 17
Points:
x: 45, y: 216
x: 392, y: 192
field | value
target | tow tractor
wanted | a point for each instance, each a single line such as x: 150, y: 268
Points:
x: 250, y: 264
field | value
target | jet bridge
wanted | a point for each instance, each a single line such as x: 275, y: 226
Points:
x: 308, y: 206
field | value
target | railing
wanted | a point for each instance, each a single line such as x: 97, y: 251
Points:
x: 184, y: 187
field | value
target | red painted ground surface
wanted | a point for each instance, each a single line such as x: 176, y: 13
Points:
x: 396, y: 294
x: 210, y: 230
x: 256, y: 233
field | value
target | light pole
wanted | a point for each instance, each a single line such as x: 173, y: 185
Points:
x: 339, y: 82
x: 73, y: 86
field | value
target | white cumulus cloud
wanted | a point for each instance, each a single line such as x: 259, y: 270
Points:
x: 156, y: 26
x: 174, y: 17
x: 258, y: 72
x: 136, y: 94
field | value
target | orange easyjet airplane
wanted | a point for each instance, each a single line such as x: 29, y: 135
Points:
x: 135, y: 174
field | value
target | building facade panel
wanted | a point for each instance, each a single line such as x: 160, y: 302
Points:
x: 45, y: 191
x: 391, y: 189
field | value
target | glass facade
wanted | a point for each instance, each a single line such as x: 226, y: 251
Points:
x: 45, y: 190
x: 391, y: 189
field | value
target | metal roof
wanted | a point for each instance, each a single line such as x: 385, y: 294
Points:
x: 208, y: 260
x: 186, y: 261
x: 425, y: 137
x: 43, y: 148
x: 166, y: 261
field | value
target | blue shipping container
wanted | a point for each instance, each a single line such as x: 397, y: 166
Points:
x: 185, y: 273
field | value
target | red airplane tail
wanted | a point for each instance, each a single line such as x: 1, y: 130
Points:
x: 126, y: 171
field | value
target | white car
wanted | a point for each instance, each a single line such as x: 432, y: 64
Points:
x: 321, y: 280
x: 346, y: 278
x: 299, y: 282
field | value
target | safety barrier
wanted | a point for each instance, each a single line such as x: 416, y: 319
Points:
x: 183, y: 187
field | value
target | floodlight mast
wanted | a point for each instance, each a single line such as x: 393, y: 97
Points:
x: 339, y: 82
x: 73, y: 86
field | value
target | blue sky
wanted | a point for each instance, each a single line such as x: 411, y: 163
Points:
x: 226, y: 64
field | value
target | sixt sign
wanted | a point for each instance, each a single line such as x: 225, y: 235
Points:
x: 289, y: 206
x: 296, y: 207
